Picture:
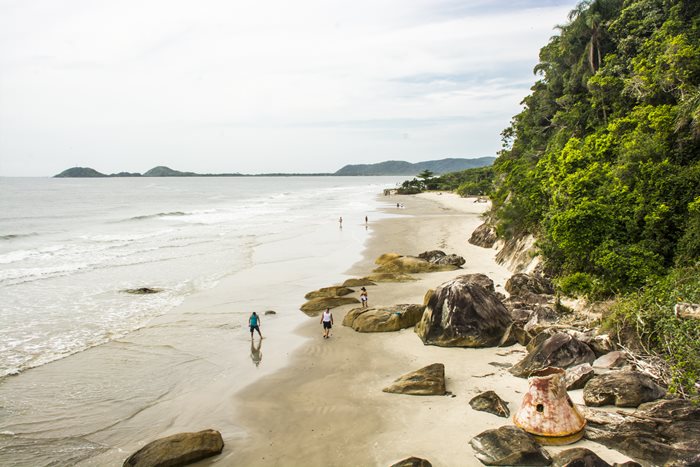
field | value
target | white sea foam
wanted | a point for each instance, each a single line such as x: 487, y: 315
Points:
x: 61, y: 285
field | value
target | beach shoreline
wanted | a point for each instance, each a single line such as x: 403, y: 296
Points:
x: 327, y: 406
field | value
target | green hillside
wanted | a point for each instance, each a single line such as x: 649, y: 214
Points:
x: 603, y: 167
x: 407, y: 168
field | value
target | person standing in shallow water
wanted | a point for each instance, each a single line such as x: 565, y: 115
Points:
x: 327, y: 321
x: 254, y: 324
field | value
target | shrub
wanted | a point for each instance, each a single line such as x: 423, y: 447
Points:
x: 648, y: 317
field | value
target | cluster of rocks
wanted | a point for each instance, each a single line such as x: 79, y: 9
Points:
x: 391, y: 267
x: 468, y: 312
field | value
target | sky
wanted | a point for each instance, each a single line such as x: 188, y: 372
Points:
x: 260, y: 86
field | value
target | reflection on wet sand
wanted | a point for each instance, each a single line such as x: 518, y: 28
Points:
x: 255, y: 352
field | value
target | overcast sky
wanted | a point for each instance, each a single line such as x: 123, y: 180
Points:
x: 261, y: 86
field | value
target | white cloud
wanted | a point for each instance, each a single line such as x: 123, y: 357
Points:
x: 253, y: 86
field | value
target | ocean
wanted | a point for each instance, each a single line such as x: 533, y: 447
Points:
x: 69, y: 250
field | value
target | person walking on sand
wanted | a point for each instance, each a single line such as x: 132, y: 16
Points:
x: 363, y: 297
x: 254, y: 324
x: 327, y: 321
x: 340, y: 222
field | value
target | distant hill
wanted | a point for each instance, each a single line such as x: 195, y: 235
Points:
x: 382, y: 168
x: 80, y: 172
x: 407, y: 168
x: 162, y: 171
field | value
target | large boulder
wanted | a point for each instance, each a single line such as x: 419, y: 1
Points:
x: 621, y: 388
x: 490, y: 402
x: 520, y: 283
x: 413, y: 462
x: 614, y: 359
x: 428, y: 381
x: 357, y: 282
x: 578, y: 457
x: 479, y: 279
x: 541, y: 318
x: 390, y: 277
x: 411, y: 265
x: 484, y: 236
x: 561, y: 351
x: 314, y: 306
x: 335, y: 291
x: 383, y: 319
x: 577, y: 376
x: 177, y: 450
x: 508, y: 445
x: 664, y: 432
x: 463, y: 314
x: 432, y: 255
x: 439, y: 257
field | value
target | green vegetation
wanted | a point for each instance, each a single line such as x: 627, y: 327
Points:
x: 603, y: 167
x: 603, y: 163
x: 470, y: 182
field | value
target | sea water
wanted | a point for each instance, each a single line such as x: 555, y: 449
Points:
x: 69, y: 248
x: 86, y: 367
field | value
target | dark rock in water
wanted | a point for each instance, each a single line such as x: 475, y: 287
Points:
x: 316, y: 305
x: 335, y: 291
x: 508, y: 445
x: 614, y: 359
x: 577, y: 376
x: 523, y: 283
x: 355, y: 282
x: 578, y: 457
x: 270, y: 312
x: 483, y: 236
x: 383, y: 319
x: 463, y: 314
x: 413, y: 462
x: 491, y: 403
x: 479, y: 279
x: 177, y: 450
x: 664, y: 432
x: 621, y: 388
x: 428, y: 381
x: 561, y: 351
x: 142, y: 291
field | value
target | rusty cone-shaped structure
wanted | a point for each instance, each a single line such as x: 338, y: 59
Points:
x: 547, y: 412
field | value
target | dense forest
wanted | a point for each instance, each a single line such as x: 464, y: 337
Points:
x: 603, y: 163
x: 602, y: 166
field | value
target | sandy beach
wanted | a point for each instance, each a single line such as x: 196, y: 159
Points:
x: 327, y: 408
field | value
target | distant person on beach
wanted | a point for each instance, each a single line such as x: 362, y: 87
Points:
x: 363, y: 297
x: 366, y: 219
x: 256, y: 352
x: 340, y: 222
x: 254, y: 324
x: 397, y: 205
x: 327, y: 321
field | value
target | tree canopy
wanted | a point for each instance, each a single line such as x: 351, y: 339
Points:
x: 603, y: 163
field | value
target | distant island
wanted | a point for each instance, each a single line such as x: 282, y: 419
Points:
x: 437, y: 167
x: 382, y: 168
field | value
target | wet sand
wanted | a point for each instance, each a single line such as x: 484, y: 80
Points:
x: 327, y: 408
